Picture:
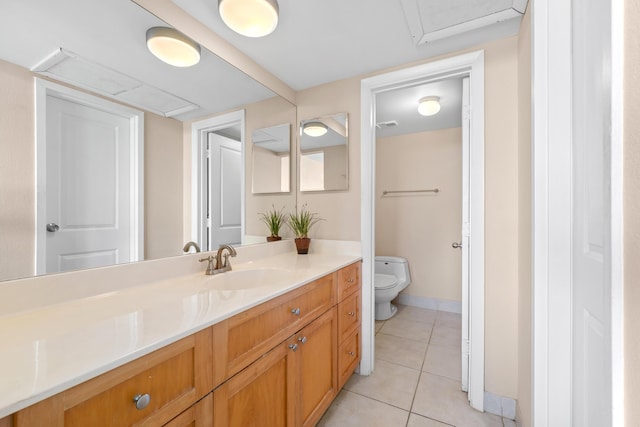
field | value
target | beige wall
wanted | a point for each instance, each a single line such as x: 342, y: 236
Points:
x: 524, y: 221
x: 17, y: 172
x: 632, y: 212
x: 342, y: 209
x: 421, y: 227
x: 274, y: 111
x: 17, y: 178
x: 163, y: 187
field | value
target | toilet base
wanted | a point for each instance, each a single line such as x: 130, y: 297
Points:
x: 385, y: 310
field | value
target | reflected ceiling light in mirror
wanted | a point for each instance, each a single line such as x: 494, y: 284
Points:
x: 173, y: 47
x: 428, y: 106
x: 314, y: 129
x: 250, y: 18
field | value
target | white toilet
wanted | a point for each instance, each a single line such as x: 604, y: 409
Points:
x: 391, y: 276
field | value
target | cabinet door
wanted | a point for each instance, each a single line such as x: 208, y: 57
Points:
x: 317, y: 358
x: 199, y: 415
x: 263, y: 394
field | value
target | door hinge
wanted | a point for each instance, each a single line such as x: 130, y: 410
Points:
x: 466, y: 347
x: 466, y: 112
x: 465, y: 229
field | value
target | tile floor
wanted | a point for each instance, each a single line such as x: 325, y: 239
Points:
x: 416, y: 381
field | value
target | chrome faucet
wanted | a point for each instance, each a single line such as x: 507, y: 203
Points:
x: 190, y: 245
x: 220, y: 265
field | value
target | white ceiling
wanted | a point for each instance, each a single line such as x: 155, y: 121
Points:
x: 326, y: 40
x: 315, y: 42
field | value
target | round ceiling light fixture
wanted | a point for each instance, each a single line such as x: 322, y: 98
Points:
x: 314, y: 129
x: 173, y: 47
x: 429, y: 105
x: 251, y: 18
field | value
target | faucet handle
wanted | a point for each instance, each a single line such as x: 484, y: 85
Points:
x: 210, y: 268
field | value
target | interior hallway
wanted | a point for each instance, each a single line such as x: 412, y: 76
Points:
x: 416, y: 382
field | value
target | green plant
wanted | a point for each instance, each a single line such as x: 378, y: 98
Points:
x: 273, y: 219
x: 301, y: 222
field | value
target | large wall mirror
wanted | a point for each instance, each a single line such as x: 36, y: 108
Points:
x: 271, y: 159
x: 324, y: 153
x: 98, y: 49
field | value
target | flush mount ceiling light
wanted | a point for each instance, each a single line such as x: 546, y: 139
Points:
x: 428, y: 106
x: 173, y: 47
x: 251, y: 18
x: 314, y: 128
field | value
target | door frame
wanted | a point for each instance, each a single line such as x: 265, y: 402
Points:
x: 551, y: 213
x: 472, y: 65
x: 45, y: 88
x: 199, y: 132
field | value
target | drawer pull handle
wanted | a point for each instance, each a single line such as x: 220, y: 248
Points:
x: 295, y: 311
x: 352, y: 354
x: 350, y: 280
x: 302, y: 340
x: 351, y: 313
x: 293, y: 347
x: 142, y: 401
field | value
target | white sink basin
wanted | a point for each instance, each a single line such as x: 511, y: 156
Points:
x: 248, y: 279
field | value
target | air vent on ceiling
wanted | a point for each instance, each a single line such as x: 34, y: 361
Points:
x: 70, y: 68
x: 385, y: 125
x: 431, y: 20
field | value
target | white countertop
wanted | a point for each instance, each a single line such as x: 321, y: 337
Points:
x: 53, y: 347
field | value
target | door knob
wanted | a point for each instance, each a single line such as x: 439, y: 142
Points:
x: 53, y: 227
x: 456, y: 245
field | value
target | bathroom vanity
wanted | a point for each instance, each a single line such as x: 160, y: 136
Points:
x: 270, y: 343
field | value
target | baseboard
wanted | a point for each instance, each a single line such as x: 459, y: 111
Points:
x: 431, y: 303
x: 500, y: 405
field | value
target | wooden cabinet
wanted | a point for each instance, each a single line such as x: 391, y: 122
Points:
x: 280, y: 363
x: 349, y: 321
x: 252, y: 333
x: 148, y: 391
x: 198, y: 415
x: 292, y: 385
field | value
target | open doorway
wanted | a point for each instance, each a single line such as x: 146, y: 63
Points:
x: 472, y: 66
x: 218, y: 178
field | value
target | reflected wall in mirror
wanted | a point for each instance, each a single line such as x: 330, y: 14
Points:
x: 79, y: 26
x: 324, y: 153
x: 271, y: 159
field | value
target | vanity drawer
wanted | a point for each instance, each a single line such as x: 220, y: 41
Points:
x: 348, y: 357
x: 349, y: 280
x: 173, y: 377
x: 349, y: 315
x: 252, y: 333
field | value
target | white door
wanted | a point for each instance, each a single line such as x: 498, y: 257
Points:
x: 465, y: 234
x: 87, y: 213
x: 591, y: 241
x: 225, y: 195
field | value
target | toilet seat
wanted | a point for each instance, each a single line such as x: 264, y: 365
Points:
x: 384, y: 281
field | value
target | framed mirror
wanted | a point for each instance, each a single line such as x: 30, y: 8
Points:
x: 271, y: 159
x: 324, y: 153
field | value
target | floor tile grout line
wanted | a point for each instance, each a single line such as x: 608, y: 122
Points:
x: 379, y: 401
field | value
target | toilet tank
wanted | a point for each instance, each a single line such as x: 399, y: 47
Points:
x: 394, y: 265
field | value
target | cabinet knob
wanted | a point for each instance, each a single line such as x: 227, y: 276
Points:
x: 351, y: 353
x: 350, y: 280
x: 293, y: 347
x: 303, y: 340
x: 351, y: 313
x: 141, y: 401
x: 295, y: 311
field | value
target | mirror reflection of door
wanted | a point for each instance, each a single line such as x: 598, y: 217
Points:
x: 87, y: 184
x: 224, y: 169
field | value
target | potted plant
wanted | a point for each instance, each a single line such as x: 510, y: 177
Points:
x: 274, y: 220
x: 300, y: 223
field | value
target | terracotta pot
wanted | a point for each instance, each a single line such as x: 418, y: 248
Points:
x: 273, y: 238
x: 302, y: 244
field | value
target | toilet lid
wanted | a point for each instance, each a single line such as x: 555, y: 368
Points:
x: 384, y: 281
